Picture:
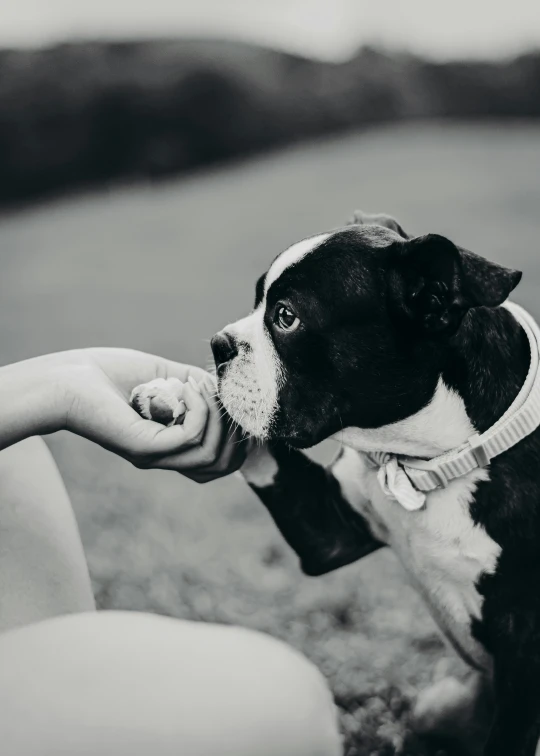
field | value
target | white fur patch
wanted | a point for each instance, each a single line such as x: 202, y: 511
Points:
x: 443, y: 551
x: 350, y: 470
x: 260, y: 468
x: 442, y: 425
x: 291, y: 256
x: 249, y: 387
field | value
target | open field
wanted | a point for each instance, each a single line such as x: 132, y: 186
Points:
x: 161, y: 268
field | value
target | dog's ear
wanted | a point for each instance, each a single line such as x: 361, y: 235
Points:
x: 359, y: 218
x: 434, y: 283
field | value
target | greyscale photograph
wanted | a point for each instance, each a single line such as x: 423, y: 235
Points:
x: 269, y: 378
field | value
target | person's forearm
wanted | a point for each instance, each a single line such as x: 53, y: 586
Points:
x: 87, y: 392
x: 29, y: 399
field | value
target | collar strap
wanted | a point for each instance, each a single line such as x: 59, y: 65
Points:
x: 408, y: 480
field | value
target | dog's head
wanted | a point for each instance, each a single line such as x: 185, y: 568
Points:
x: 350, y: 328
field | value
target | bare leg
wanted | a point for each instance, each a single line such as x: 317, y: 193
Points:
x: 43, y: 572
x: 137, y: 684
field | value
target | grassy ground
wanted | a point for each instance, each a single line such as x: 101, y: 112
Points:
x: 160, y: 269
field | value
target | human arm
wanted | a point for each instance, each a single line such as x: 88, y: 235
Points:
x: 86, y: 391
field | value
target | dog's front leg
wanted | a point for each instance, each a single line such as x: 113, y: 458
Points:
x: 309, y: 507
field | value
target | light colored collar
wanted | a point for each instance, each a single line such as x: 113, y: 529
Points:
x: 408, y: 480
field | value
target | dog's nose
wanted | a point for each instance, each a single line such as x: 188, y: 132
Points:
x: 223, y: 348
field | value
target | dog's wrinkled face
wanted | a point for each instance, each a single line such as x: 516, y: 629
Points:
x: 349, y: 329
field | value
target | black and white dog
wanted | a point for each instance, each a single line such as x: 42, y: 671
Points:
x: 398, y: 348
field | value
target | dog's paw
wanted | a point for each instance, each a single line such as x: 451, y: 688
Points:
x: 160, y: 400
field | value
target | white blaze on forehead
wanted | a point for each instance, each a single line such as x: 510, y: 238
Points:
x: 291, y: 256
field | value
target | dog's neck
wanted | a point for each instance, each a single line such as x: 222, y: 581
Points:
x: 486, y: 366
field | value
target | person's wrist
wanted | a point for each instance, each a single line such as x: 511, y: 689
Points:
x: 28, y: 403
x: 42, y: 390
x: 57, y: 393
x: 66, y: 375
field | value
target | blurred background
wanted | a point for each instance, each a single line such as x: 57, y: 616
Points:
x: 153, y: 159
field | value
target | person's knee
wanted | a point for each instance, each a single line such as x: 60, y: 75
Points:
x: 150, y: 684
x: 290, y: 703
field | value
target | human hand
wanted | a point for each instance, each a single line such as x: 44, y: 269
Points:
x: 94, y: 386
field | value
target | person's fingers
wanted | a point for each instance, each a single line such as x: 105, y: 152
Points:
x: 189, y: 463
x: 232, y: 452
x: 115, y: 425
x: 240, y: 449
x: 206, y: 454
x: 178, y: 439
x: 210, y: 382
x: 197, y: 412
x: 127, y: 368
x: 184, y: 372
x: 216, y: 431
x: 220, y: 470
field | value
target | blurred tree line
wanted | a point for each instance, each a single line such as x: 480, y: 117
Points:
x: 88, y: 113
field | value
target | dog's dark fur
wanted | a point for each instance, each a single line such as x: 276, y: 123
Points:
x: 385, y: 325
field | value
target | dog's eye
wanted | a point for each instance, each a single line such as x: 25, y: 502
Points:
x: 286, y: 319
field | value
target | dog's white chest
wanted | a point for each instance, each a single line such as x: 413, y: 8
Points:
x: 440, y: 546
